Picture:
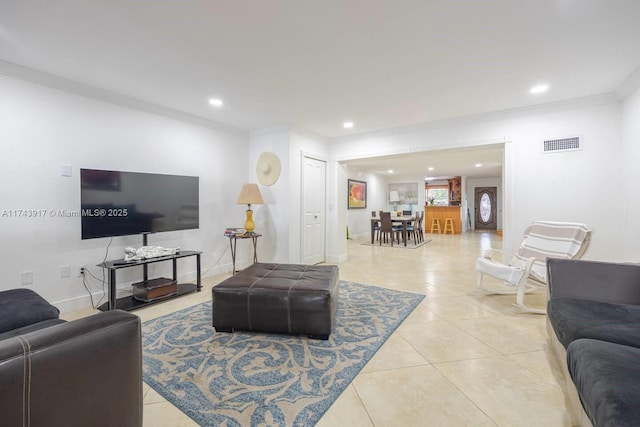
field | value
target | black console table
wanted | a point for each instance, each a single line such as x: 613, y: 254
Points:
x: 129, y: 302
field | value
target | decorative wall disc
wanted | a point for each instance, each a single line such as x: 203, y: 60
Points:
x: 268, y: 168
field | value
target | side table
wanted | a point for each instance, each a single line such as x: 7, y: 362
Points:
x: 233, y: 242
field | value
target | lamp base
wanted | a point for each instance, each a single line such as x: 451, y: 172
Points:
x: 249, y: 225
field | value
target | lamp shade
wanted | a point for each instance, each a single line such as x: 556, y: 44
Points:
x: 250, y: 195
x: 394, y: 196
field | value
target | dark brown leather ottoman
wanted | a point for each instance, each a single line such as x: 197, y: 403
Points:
x: 291, y: 298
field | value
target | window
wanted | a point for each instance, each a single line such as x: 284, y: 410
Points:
x: 439, y: 194
x: 485, y: 208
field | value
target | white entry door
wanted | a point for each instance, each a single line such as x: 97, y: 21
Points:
x: 313, y: 206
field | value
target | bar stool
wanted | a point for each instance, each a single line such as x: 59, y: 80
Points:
x: 435, y: 225
x: 448, y: 226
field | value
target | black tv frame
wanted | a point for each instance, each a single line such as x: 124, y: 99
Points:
x: 122, y: 203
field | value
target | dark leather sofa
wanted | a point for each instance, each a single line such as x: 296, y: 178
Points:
x: 594, y: 325
x: 86, y: 372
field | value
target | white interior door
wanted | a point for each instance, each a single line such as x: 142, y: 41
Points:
x: 314, y: 217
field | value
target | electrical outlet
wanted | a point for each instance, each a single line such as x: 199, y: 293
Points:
x: 81, y: 270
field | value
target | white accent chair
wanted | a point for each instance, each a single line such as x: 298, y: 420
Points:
x: 526, y: 271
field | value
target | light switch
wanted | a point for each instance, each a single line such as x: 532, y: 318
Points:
x: 66, y: 170
x: 65, y: 271
x: 27, y: 277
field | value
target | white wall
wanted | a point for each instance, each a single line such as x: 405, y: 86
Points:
x: 561, y: 186
x: 631, y: 144
x: 272, y: 218
x: 280, y: 218
x: 43, y: 128
x: 359, y: 220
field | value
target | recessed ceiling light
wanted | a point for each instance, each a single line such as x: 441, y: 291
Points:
x: 430, y: 168
x: 390, y: 171
x: 478, y: 165
x: 539, y: 89
x: 347, y: 125
x: 216, y: 102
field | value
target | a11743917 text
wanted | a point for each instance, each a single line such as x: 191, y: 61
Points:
x: 63, y: 213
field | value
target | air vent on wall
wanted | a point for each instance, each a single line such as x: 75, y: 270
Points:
x: 562, y: 144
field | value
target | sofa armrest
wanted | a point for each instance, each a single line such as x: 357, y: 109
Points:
x: 87, y: 372
x: 596, y: 281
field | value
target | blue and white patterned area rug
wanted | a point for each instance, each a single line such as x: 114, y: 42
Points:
x: 245, y: 378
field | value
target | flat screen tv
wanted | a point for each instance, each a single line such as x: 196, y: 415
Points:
x: 117, y: 203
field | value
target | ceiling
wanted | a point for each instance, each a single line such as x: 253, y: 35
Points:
x: 316, y: 64
x: 445, y: 163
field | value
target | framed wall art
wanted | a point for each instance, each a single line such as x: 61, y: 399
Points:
x: 407, y: 193
x: 357, y: 194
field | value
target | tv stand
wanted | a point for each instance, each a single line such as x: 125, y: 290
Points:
x: 129, y: 302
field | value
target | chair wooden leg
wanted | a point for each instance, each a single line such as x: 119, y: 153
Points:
x: 522, y: 289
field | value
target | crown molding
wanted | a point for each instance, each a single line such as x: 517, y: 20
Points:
x: 270, y: 130
x: 31, y: 75
x: 629, y: 85
x: 575, y: 103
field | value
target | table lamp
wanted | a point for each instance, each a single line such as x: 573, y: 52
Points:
x: 250, y: 195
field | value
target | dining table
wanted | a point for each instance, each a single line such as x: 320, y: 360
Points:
x: 404, y: 219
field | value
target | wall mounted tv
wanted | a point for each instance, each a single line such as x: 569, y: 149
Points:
x: 117, y: 203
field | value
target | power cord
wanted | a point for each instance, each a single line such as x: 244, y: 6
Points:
x: 102, y: 281
x: 217, y: 261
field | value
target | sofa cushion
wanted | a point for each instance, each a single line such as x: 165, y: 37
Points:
x: 606, y: 378
x: 574, y: 318
x: 22, y: 307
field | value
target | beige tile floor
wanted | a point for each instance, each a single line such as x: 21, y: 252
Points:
x: 461, y: 358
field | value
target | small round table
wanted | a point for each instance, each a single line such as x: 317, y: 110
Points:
x: 233, y: 242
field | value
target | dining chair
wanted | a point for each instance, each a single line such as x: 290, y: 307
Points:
x: 415, y: 229
x: 419, y: 227
x: 376, y: 225
x: 387, y: 229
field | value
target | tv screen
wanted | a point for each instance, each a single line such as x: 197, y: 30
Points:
x: 117, y: 203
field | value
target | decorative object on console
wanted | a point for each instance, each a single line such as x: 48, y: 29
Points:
x: 154, y: 289
x: 234, y: 231
x: 144, y: 252
x: 250, y: 195
x: 268, y: 168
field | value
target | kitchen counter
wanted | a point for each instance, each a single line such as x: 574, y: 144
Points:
x: 443, y: 212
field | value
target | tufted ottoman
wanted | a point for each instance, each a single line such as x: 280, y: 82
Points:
x: 289, y: 298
